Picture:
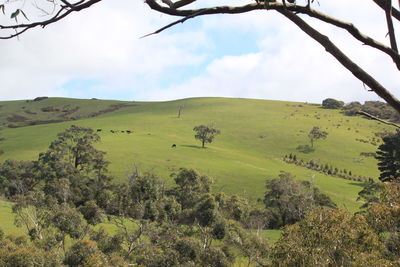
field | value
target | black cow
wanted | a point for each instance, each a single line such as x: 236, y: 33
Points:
x: 112, y: 131
x: 98, y: 130
x: 128, y: 131
x: 173, y: 146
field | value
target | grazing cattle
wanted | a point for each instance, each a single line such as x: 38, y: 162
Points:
x: 128, y: 131
x: 98, y: 130
x: 122, y: 131
x: 173, y: 146
x: 112, y: 131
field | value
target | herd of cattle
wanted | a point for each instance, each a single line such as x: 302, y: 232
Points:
x: 117, y: 131
x: 125, y: 131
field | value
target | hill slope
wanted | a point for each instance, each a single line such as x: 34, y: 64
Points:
x: 255, y: 135
x: 43, y: 110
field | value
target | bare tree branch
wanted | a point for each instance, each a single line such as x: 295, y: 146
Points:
x: 67, y: 3
x: 389, y: 21
x: 172, y: 24
x: 382, y: 4
x: 372, y: 117
x: 61, y: 13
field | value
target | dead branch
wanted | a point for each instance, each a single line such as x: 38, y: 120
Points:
x: 389, y: 21
x: 63, y: 12
x: 394, y: 11
x: 372, y: 117
x: 172, y: 24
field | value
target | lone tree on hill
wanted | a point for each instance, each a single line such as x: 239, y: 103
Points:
x: 388, y: 155
x: 205, y: 134
x: 315, y: 134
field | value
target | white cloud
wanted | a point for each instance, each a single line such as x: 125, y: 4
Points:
x: 291, y: 66
x: 102, y: 44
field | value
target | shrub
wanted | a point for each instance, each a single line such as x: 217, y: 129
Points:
x: 331, y: 103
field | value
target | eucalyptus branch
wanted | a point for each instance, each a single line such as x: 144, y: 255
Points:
x: 172, y: 24
x: 67, y: 3
x: 389, y: 21
x: 382, y: 4
x: 372, y: 117
x: 63, y: 12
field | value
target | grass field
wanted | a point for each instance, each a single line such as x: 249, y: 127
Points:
x: 255, y: 135
x: 7, y: 218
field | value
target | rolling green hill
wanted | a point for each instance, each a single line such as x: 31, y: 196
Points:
x: 43, y: 110
x: 255, y: 135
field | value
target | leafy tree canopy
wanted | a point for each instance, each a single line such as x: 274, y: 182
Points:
x: 72, y: 168
x: 205, y: 134
x: 289, y: 200
x: 328, y: 237
x: 315, y: 134
x: 331, y: 103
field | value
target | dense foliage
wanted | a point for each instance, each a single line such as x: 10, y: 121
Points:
x: 205, y: 134
x: 288, y: 200
x: 331, y: 103
x: 375, y: 108
x: 316, y: 134
x: 388, y: 155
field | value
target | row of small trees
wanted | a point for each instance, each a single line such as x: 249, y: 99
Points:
x: 324, y: 168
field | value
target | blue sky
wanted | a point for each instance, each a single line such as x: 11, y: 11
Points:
x: 256, y: 55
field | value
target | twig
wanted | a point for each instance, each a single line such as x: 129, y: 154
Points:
x: 382, y: 4
x: 172, y: 24
x: 372, y: 117
x: 389, y: 21
x: 61, y: 13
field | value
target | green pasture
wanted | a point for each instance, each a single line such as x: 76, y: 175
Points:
x: 255, y: 135
x: 7, y: 219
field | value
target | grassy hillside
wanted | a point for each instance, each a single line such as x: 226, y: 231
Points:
x: 44, y: 110
x: 255, y: 135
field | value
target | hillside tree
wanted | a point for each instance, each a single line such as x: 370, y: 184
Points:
x: 289, y: 200
x: 328, y: 237
x: 19, y: 19
x: 205, y: 134
x: 388, y: 155
x: 72, y: 168
x: 315, y: 134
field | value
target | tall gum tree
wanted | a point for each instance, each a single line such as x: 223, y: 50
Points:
x: 19, y: 18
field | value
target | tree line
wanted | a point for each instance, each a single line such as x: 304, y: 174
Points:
x: 375, y: 108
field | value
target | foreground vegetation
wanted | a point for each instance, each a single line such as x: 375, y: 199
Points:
x: 59, y: 198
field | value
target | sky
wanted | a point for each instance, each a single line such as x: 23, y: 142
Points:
x: 98, y: 53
